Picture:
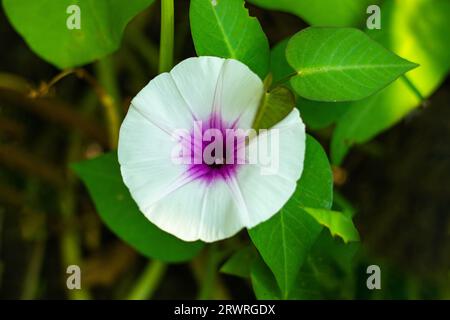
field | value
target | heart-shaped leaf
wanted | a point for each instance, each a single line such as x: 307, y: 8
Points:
x: 223, y: 28
x: 315, y: 114
x: 335, y: 13
x: 341, y: 64
x: 266, y: 288
x: 328, y: 263
x: 69, y: 33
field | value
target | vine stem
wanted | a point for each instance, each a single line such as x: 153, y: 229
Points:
x: 206, y: 271
x: 148, y: 281
x: 209, y: 279
x: 413, y: 88
x: 284, y: 79
x: 108, y: 102
x: 167, y: 36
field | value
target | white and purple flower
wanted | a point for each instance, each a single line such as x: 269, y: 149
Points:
x: 203, y: 199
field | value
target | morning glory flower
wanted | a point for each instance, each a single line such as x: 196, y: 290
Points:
x: 165, y: 137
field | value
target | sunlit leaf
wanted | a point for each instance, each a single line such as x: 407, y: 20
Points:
x: 120, y: 213
x: 338, y: 223
x: 285, y: 240
x: 315, y: 114
x: 341, y: 64
x: 332, y: 13
x: 224, y: 28
x: 43, y: 25
x: 417, y: 30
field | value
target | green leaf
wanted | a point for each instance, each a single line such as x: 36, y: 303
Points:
x: 285, y: 240
x: 224, y: 28
x: 42, y: 24
x: 329, y: 270
x: 315, y: 114
x: 275, y: 106
x: 315, y: 187
x: 263, y: 282
x: 328, y: 248
x: 240, y: 262
x: 341, y: 64
x: 279, y: 67
x: 318, y: 115
x: 338, y: 223
x: 120, y: 213
x: 334, y: 13
x: 327, y: 273
x: 417, y: 30
x: 266, y: 288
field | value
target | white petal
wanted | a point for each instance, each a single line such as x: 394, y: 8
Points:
x: 161, y: 103
x: 225, y: 84
x: 265, y: 194
x: 217, y: 211
x: 196, y: 79
x: 238, y: 93
x: 145, y: 153
x: 198, y: 211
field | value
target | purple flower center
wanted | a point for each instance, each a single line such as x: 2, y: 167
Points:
x: 215, y: 149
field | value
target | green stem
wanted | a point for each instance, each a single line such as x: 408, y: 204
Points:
x: 108, y: 92
x: 413, y: 88
x: 167, y: 35
x: 14, y: 82
x: 284, y: 79
x: 209, y: 280
x: 148, y: 281
x: 70, y: 242
x: 145, y: 48
x: 71, y: 253
x: 34, y: 269
x: 260, y: 113
x: 106, y: 71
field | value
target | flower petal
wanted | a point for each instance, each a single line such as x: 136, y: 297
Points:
x: 265, y: 194
x: 145, y: 153
x: 197, y: 211
x: 161, y: 103
x: 196, y: 80
x: 238, y: 94
x: 228, y: 85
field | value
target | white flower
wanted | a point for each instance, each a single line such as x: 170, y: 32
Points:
x: 201, y: 201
